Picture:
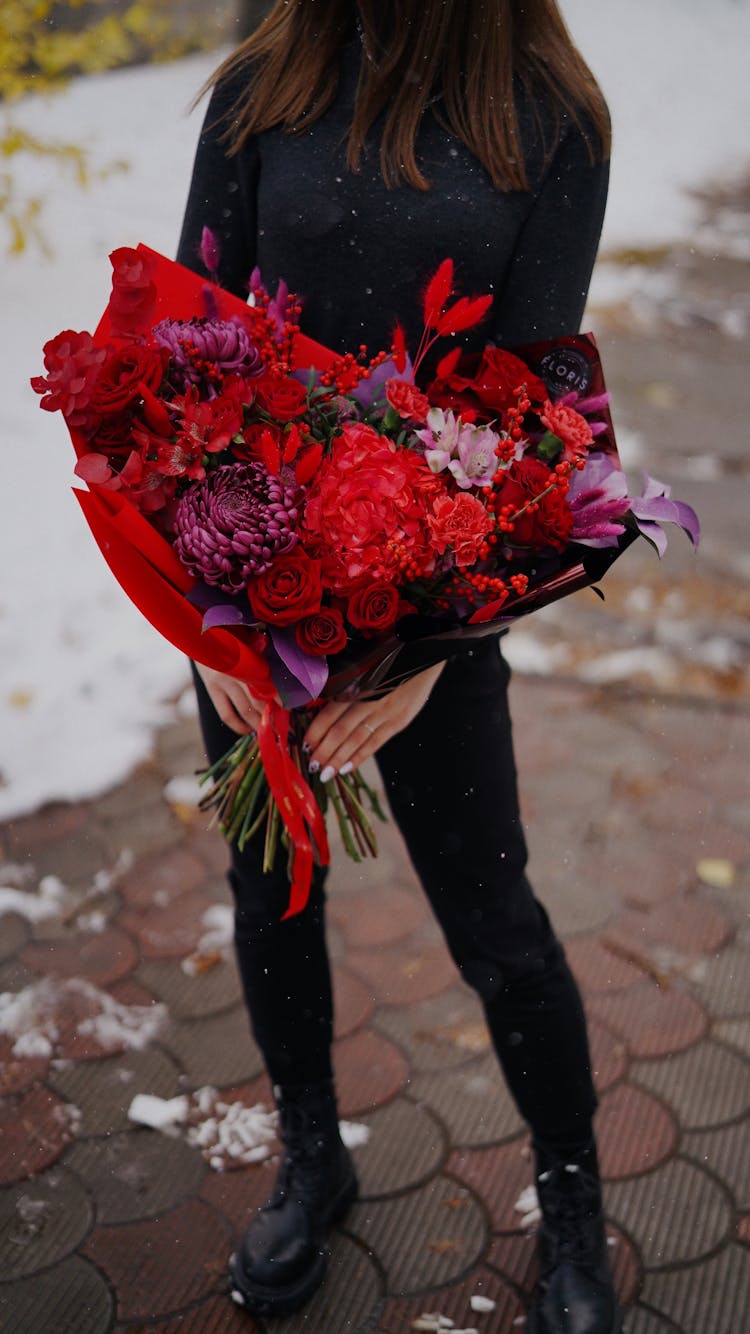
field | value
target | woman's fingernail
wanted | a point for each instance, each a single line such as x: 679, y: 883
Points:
x: 346, y: 768
x: 306, y: 747
x: 328, y: 773
x: 313, y: 766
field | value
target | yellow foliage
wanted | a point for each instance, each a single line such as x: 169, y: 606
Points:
x: 38, y: 55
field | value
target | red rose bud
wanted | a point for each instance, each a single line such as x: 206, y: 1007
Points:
x: 133, y: 300
x: 289, y: 590
x: 374, y: 609
x: 322, y: 633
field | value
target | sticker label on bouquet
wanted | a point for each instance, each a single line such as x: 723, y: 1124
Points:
x: 566, y: 370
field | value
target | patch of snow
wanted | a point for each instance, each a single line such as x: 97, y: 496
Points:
x: 31, y: 1016
x: 480, y: 1303
x: 525, y: 653
x: 165, y: 1114
x: 625, y: 664
x: 19, y: 901
x: 527, y: 1205
x: 183, y: 790
x: 228, y: 1134
x: 354, y: 1133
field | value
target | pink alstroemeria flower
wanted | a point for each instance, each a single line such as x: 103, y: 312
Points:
x: 467, y: 451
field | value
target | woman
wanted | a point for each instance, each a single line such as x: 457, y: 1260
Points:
x: 349, y: 148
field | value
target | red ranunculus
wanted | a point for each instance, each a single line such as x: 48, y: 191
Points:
x: 374, y: 608
x: 282, y: 397
x: 460, y: 523
x: 366, y: 511
x: 133, y: 300
x: 122, y: 373
x: 288, y: 590
x: 322, y: 633
x: 408, y: 401
x: 548, y: 525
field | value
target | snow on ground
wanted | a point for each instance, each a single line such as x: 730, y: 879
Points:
x: 83, y: 679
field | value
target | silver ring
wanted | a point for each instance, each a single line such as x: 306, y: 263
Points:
x: 371, y: 730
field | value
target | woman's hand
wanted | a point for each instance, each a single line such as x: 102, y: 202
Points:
x: 343, y: 736
x: 232, y: 700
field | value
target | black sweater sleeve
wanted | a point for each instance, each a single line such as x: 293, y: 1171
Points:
x: 547, y: 279
x: 222, y: 196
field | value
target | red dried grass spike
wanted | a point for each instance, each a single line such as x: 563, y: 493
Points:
x: 437, y: 293
x: 398, y: 348
x: 463, y: 315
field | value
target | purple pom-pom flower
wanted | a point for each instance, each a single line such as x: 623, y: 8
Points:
x: 231, y: 525
x: 226, y: 344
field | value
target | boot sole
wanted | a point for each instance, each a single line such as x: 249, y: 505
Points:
x: 259, y: 1299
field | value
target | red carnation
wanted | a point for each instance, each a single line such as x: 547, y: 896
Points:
x: 550, y: 522
x: 408, y: 401
x: 322, y: 633
x: 460, y: 523
x: 374, y: 608
x: 570, y: 427
x: 288, y: 590
x: 133, y: 300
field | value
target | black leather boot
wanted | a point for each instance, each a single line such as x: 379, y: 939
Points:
x: 575, y: 1293
x: 282, y: 1257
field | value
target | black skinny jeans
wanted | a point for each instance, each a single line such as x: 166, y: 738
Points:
x: 451, y: 783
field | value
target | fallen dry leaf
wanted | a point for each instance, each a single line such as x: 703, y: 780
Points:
x: 717, y: 872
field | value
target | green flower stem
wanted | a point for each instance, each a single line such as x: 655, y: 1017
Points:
x: 357, y: 817
x: 272, y: 836
x: 341, y: 816
x: 245, y: 801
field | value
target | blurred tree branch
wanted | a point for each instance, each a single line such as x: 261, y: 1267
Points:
x: 43, y: 43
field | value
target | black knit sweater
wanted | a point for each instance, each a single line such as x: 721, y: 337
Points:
x: 359, y: 254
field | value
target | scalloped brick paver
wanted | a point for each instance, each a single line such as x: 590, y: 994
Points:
x: 697, y: 929
x: 405, y: 1147
x: 654, y: 1210
x: 218, y: 1050
x: 723, y: 984
x: 136, y: 1175
x: 473, y: 1102
x: 726, y: 1153
x: 378, y: 919
x: 598, y: 969
x: 437, y: 1034
x: 34, y: 1130
x: 634, y: 1132
x: 352, y: 1003
x: 217, y: 1315
x: 72, y: 1296
x: 454, y: 1302
x: 714, y: 1295
x: 192, y: 995
x: 707, y: 1085
x: 424, y: 1238
x: 42, y: 1221
x: 170, y: 932
x: 15, y: 930
x: 405, y: 973
x: 652, y: 1020
x: 608, y: 1055
x: 100, y: 957
x: 161, y: 1265
x: 369, y: 1072
x: 18, y: 1073
x: 103, y: 1090
x: 158, y: 880
x: 498, y: 1176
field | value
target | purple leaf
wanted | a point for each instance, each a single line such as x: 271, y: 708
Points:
x: 226, y: 613
x: 310, y: 672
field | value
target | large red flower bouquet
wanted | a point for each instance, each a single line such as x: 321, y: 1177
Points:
x: 322, y: 525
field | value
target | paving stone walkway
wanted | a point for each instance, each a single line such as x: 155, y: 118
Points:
x: 644, y: 861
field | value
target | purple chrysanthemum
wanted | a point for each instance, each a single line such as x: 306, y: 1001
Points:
x: 227, y: 345
x: 231, y: 525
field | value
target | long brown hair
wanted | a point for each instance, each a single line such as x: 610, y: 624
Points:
x: 460, y: 56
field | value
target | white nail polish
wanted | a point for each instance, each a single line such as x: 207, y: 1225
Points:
x: 327, y: 774
x: 346, y: 768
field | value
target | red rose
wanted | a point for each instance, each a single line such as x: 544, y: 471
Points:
x: 113, y: 436
x: 374, y: 608
x: 499, y: 373
x: 462, y: 523
x: 133, y: 299
x: 322, y: 633
x: 281, y: 397
x: 288, y: 590
x: 408, y: 401
x: 122, y: 373
x: 550, y: 523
